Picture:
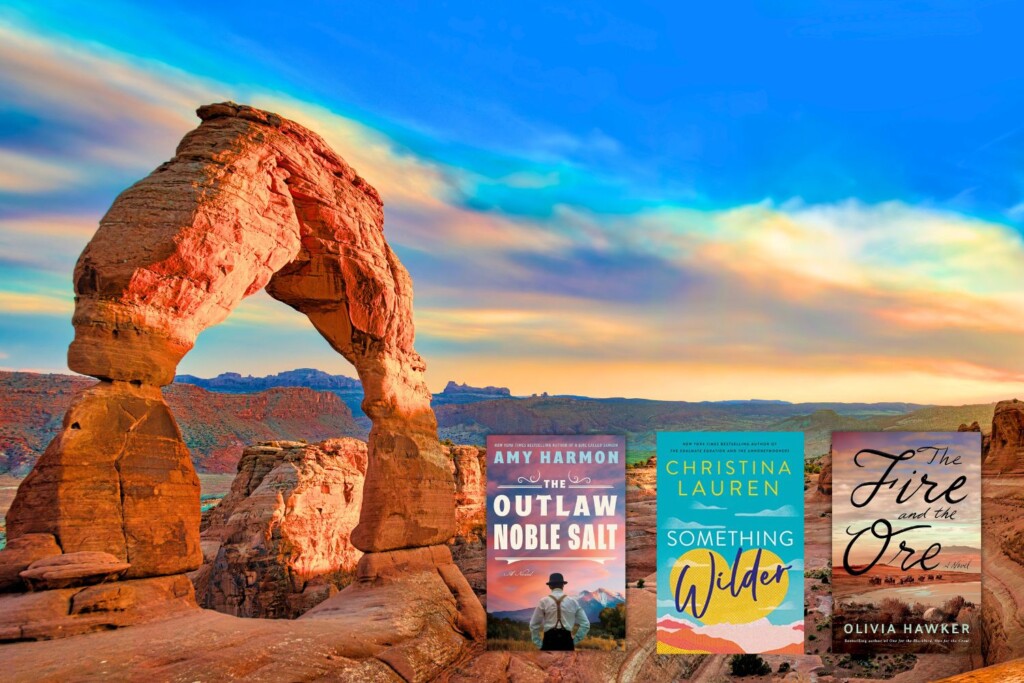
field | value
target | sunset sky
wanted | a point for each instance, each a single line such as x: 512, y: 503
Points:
x: 784, y: 200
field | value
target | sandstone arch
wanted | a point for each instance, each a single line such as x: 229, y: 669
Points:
x: 249, y: 201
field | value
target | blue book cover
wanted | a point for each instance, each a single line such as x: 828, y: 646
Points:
x: 730, y: 542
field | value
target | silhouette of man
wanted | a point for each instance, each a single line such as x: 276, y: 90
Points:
x: 555, y: 618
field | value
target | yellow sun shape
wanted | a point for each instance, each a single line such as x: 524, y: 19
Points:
x: 693, y: 572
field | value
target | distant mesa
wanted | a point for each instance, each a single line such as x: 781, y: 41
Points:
x: 234, y: 382
x: 455, y: 388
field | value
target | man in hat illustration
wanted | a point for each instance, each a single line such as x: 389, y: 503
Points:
x: 555, y: 618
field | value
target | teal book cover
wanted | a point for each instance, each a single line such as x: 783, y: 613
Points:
x: 730, y: 542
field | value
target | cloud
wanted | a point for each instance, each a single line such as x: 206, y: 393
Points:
x: 25, y: 173
x: 784, y: 511
x: 675, y: 523
x: 99, y: 106
x: 21, y: 303
x: 534, y: 272
x: 697, y: 505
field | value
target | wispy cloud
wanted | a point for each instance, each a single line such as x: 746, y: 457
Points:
x: 784, y: 511
x: 522, y: 279
x: 34, y: 304
x: 26, y: 173
x: 676, y: 523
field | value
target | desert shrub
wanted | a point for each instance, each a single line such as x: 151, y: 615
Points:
x: 639, y: 583
x: 953, y: 606
x: 894, y: 610
x: 748, y: 665
x: 507, y: 629
x: 821, y: 573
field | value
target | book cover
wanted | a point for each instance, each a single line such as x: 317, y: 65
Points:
x: 556, y: 529
x: 730, y: 542
x: 906, y: 542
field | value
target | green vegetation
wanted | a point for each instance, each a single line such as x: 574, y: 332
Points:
x: 823, y: 574
x: 612, y: 622
x: 876, y: 666
x: 507, y: 629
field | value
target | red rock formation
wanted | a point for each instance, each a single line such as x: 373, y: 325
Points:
x: 286, y: 527
x: 250, y: 200
x: 1006, y: 444
x: 825, y: 475
x: 469, y: 467
x: 117, y: 479
x: 986, y: 439
x: 468, y: 546
x: 167, y: 262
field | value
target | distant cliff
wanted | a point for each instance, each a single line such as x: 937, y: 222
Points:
x: 347, y: 388
x: 232, y: 382
x: 215, y: 426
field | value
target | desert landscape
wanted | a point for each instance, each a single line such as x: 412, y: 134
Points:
x: 332, y: 556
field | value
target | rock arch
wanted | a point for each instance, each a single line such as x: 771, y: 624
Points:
x: 249, y: 201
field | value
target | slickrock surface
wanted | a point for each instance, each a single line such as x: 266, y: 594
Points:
x: 63, y: 612
x: 19, y: 554
x: 73, y: 569
x: 1010, y: 672
x: 280, y: 541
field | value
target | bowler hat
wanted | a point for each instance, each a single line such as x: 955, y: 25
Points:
x: 556, y: 580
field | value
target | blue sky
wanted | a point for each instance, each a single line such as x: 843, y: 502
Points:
x: 800, y: 200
